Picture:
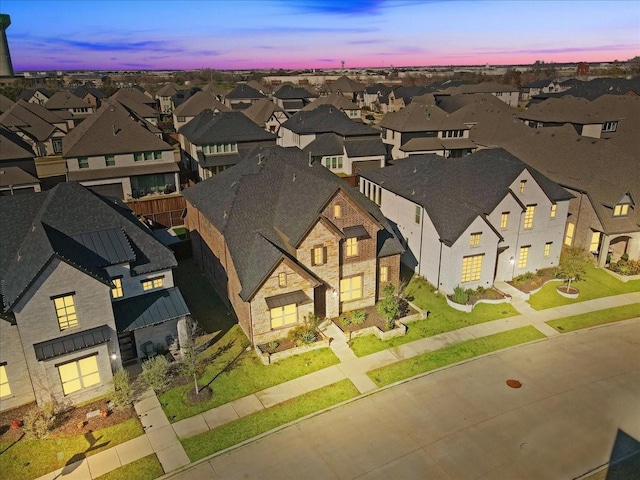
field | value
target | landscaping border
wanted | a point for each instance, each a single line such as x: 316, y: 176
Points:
x: 622, y: 278
x: 469, y: 308
x: 268, y: 358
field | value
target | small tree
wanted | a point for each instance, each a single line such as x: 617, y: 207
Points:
x: 155, y: 373
x: 38, y: 421
x: 122, y: 394
x: 573, y: 264
x: 193, y: 364
x: 389, y: 306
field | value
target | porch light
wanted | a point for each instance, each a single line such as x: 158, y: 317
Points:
x: 114, y: 356
x: 512, y: 261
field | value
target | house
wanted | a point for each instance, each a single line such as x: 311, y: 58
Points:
x: 472, y: 220
x: 595, y: 88
x: 92, y: 95
x: 604, y: 216
x: 194, y: 105
x: 15, y: 152
x: 282, y: 238
x: 85, y: 288
x: 117, y: 156
x: 349, y: 107
x: 163, y: 97
x: 135, y: 95
x: 242, y: 96
x: 537, y: 87
x: 508, y: 94
x: 419, y: 128
x: 266, y: 114
x: 212, y: 142
x: 347, y: 156
x: 344, y: 86
x: 69, y: 107
x: 292, y: 99
x: 370, y: 96
x: 15, y: 180
x: 39, y: 96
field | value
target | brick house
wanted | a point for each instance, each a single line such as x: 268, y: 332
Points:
x: 85, y: 287
x: 282, y: 238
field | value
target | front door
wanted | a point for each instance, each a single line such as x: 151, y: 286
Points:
x: 127, y: 343
x: 320, y: 301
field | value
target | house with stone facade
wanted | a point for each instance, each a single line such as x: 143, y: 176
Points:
x: 282, y: 238
x: 266, y: 114
x: 85, y: 288
x: 472, y: 220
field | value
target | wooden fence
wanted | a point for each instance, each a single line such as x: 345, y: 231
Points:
x: 165, y: 210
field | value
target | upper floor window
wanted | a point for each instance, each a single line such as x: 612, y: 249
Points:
x: 528, y: 216
x: 504, y: 220
x: 152, y: 283
x: 181, y: 119
x: 417, y: 215
x: 65, y: 311
x: 610, y: 126
x: 523, y: 184
x: 352, y: 247
x: 282, y: 279
x: 621, y: 210
x: 5, y: 390
x: 568, y: 237
x: 220, y: 148
x: 117, y: 291
x: 384, y: 274
x: 337, y: 210
x: 83, y: 162
x: 474, y: 240
x: 333, y: 163
x: 319, y: 255
x: 554, y: 209
x: 140, y: 156
x: 453, y: 134
x: 109, y: 160
x: 57, y: 145
x: 594, y: 245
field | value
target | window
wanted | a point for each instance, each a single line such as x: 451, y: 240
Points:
x: 384, y: 274
x: 138, y: 157
x: 109, y: 160
x: 283, y: 316
x: 152, y: 283
x: 148, y: 155
x: 554, y: 209
x: 475, y: 239
x: 523, y: 184
x: 66, y: 311
x: 568, y: 238
x: 504, y: 220
x: 5, y: 390
x: 524, y: 256
x: 547, y: 249
x: 57, y: 145
x: 352, y: 247
x: 80, y: 374
x: 351, y: 288
x: 282, y: 279
x: 417, y: 216
x: 610, y: 126
x: 116, y: 291
x: 621, y: 210
x: 594, y: 245
x: 528, y: 216
x: 471, y: 268
x: 318, y: 255
x: 337, y: 211
x: 83, y: 162
x: 181, y: 119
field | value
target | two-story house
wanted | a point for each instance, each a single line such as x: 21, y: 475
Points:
x: 163, y: 97
x: 116, y: 155
x: 242, y: 96
x: 538, y: 87
x: 292, y: 99
x: 85, y: 287
x: 194, y: 105
x: 69, y: 107
x: 92, y: 95
x: 17, y: 165
x: 470, y: 221
x: 282, y: 238
x: 266, y: 114
x: 508, y: 94
x: 345, y: 104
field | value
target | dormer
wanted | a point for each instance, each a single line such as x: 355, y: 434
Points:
x: 622, y: 206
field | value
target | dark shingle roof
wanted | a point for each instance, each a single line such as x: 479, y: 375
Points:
x: 223, y: 127
x: 244, y: 92
x: 65, y: 100
x: 261, y: 110
x: 198, y: 102
x: 38, y: 227
x: 599, y: 86
x: 456, y: 191
x: 273, y: 195
x: 290, y: 92
x: 13, y: 147
x: 326, y: 119
x: 420, y: 118
x: 29, y: 119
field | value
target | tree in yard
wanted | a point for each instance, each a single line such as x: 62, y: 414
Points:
x: 389, y: 306
x: 573, y: 264
x: 123, y: 392
x: 193, y: 362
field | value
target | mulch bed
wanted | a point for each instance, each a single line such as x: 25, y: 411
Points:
x: 374, y: 318
x: 539, y: 278
x: 487, y: 294
x: 66, y: 423
x: 203, y: 395
x: 282, y: 344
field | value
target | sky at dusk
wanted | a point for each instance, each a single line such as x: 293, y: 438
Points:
x: 165, y: 34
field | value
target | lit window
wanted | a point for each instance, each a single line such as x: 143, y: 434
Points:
x: 5, y: 390
x: 621, y: 210
x: 384, y: 274
x: 568, y: 238
x: 524, y: 256
x: 152, y: 283
x: 554, y: 209
x: 594, y: 246
x: 528, y: 216
x: 352, y: 247
x: 417, y: 217
x: 475, y: 239
x: 337, y: 211
x: 351, y: 289
x: 109, y: 160
x: 116, y: 291
x: 66, y: 312
x: 547, y: 249
x: 317, y: 256
x: 78, y: 375
x: 283, y: 316
x: 504, y: 220
x: 471, y: 268
x: 523, y: 184
x: 83, y: 162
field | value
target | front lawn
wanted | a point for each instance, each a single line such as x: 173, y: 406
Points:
x: 146, y: 468
x: 442, y: 318
x: 28, y: 459
x: 233, y: 372
x: 252, y: 425
x: 452, y: 354
x: 596, y: 284
x: 600, y: 317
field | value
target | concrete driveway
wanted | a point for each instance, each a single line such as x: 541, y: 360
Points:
x: 580, y: 396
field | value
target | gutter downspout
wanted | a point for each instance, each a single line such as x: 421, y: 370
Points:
x: 439, y: 268
x: 421, y: 233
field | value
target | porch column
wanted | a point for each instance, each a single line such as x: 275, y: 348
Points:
x: 604, y: 250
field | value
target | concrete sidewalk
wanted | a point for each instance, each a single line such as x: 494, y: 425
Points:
x: 162, y: 438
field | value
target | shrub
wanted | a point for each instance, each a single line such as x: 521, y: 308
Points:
x: 358, y: 317
x: 625, y: 257
x: 345, y: 320
x: 122, y: 394
x: 460, y: 296
x: 624, y: 268
x: 306, y: 332
x: 273, y: 345
x: 389, y: 306
x: 38, y: 421
x: 480, y: 290
x: 155, y: 373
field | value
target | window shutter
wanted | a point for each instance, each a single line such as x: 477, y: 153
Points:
x: 313, y: 258
x: 324, y: 255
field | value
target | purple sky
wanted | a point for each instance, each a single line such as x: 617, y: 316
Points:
x: 165, y: 34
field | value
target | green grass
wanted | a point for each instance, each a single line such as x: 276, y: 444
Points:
x: 244, y: 428
x: 600, y: 317
x: 452, y: 354
x: 147, y: 468
x: 596, y: 284
x: 233, y: 373
x: 47, y: 455
x: 442, y: 318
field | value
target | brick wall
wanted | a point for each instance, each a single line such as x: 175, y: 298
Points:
x: 15, y: 364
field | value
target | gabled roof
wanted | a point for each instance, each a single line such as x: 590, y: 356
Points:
x: 420, y: 118
x: 567, y: 109
x: 28, y: 93
x: 167, y: 90
x: 5, y: 103
x: 289, y: 92
x: 109, y: 131
x: 38, y: 227
x: 15, y: 176
x: 65, y: 100
x: 336, y: 99
x: 344, y: 85
x: 243, y: 91
x: 379, y: 88
x: 259, y: 86
x: 223, y: 127
x: 83, y: 90
x: 544, y: 82
x: 20, y: 116
x: 198, y: 102
x: 265, y: 205
x: 455, y: 191
x: 142, y: 110
x: 133, y: 95
x: 332, y: 144
x: 408, y: 93
x: 326, y: 119
x: 261, y: 110
x: 598, y: 87
x: 451, y: 103
x: 326, y: 144
x: 12, y: 147
x: 484, y: 87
